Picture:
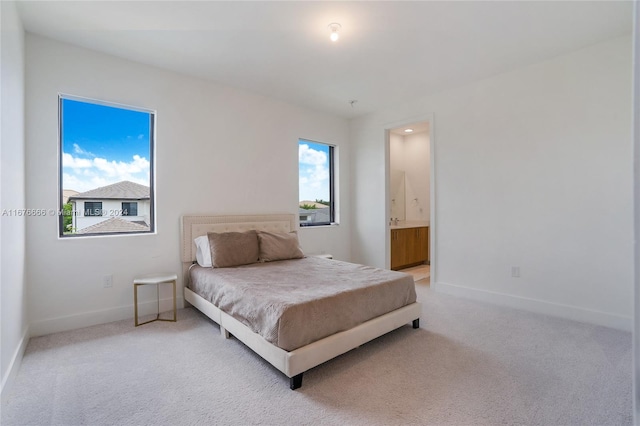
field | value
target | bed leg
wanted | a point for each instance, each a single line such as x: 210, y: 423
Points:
x: 416, y: 323
x: 296, y: 381
x: 224, y: 332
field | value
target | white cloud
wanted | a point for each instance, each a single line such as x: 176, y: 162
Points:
x: 314, y: 174
x: 81, y: 174
x: 72, y: 162
x: 78, y: 150
x: 119, y: 168
x: 310, y: 156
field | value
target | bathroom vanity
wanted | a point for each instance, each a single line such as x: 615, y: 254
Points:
x: 409, y: 244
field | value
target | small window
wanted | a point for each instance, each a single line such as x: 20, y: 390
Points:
x: 105, y: 168
x: 92, y: 208
x: 129, y: 209
x: 316, y: 204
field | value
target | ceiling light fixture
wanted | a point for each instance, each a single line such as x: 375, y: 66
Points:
x: 334, y: 27
x: 408, y: 130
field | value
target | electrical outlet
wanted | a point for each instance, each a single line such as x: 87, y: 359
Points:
x: 515, y: 271
x: 107, y: 281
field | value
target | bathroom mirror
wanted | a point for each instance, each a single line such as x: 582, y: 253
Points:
x: 397, y: 192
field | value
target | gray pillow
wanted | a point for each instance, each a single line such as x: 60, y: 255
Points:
x: 233, y: 248
x: 279, y: 246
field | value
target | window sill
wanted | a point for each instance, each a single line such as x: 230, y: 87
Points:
x: 76, y: 237
x: 330, y: 225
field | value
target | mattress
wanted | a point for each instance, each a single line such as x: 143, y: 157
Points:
x: 292, y: 303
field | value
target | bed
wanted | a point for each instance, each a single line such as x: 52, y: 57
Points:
x: 286, y: 342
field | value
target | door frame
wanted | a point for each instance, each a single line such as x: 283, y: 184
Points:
x: 433, y: 253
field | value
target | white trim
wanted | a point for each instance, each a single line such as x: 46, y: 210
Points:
x: 543, y: 307
x: 387, y: 196
x: 81, y: 237
x: 331, y: 225
x: 14, y: 366
x: 87, y: 319
x: 636, y: 211
x: 433, y: 253
x: 105, y: 103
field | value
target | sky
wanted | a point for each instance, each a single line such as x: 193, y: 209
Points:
x: 102, y: 145
x: 313, y: 160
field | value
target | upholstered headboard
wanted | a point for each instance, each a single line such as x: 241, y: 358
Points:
x: 192, y: 227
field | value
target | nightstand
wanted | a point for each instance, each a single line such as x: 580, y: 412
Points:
x: 154, y: 279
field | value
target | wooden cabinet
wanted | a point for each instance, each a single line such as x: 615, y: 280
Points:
x: 398, y: 248
x: 409, y: 247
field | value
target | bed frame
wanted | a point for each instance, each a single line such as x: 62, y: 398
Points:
x: 292, y: 363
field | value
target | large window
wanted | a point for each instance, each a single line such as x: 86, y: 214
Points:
x: 316, y: 187
x: 106, y: 168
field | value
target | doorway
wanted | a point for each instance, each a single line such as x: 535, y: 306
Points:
x: 410, y: 199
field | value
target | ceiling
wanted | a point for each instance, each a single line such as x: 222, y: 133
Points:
x: 419, y: 127
x: 388, y: 52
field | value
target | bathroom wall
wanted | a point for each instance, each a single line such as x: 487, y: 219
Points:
x: 417, y: 166
x: 397, y: 189
x: 410, y: 154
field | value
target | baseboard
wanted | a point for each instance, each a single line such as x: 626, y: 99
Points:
x: 87, y: 319
x: 14, y: 366
x: 538, y: 306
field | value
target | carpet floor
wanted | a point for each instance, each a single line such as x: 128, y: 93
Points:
x: 470, y: 363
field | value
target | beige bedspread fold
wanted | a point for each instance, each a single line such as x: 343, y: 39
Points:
x: 292, y: 303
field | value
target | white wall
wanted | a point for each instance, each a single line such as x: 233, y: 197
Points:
x: 418, y: 170
x: 531, y: 169
x: 13, y: 305
x: 397, y: 189
x: 410, y: 154
x: 218, y: 150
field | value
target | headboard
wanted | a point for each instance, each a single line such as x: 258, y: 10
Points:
x: 194, y: 226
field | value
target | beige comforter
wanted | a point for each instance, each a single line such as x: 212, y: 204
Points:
x: 292, y: 303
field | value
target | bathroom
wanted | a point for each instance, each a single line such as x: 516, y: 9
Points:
x: 410, y: 199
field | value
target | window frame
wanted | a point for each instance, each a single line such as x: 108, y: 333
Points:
x: 152, y: 164
x: 332, y: 181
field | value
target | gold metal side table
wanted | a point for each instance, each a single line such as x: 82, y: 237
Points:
x: 156, y: 279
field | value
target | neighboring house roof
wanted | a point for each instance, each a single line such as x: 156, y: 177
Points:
x: 115, y: 224
x: 124, y: 190
x: 316, y: 215
x: 66, y: 193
